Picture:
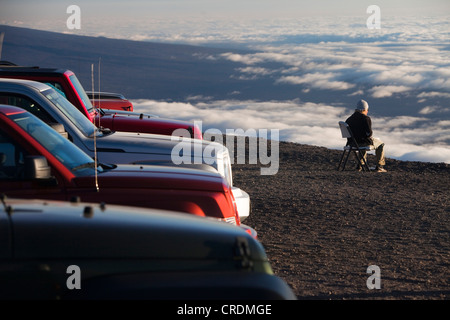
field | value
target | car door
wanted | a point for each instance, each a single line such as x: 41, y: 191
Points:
x: 14, y: 181
x: 21, y: 277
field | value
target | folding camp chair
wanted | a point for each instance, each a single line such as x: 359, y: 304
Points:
x: 352, y: 145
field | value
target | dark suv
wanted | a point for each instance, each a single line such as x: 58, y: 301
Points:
x: 61, y: 250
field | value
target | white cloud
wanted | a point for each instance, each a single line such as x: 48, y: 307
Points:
x: 245, y: 59
x: 433, y: 94
x: 199, y: 97
x: 255, y: 70
x: 387, y: 91
x: 436, y: 153
x: 433, y: 109
x: 357, y: 93
x: 318, y: 81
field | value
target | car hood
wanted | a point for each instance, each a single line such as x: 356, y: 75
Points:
x: 135, y: 122
x: 129, y: 142
x: 61, y: 230
x: 146, y: 118
x: 129, y: 113
x: 155, y: 177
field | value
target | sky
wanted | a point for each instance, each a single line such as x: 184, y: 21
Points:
x: 103, y: 14
x: 315, y: 45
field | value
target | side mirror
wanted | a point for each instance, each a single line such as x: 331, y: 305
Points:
x: 36, y: 167
x: 58, y: 127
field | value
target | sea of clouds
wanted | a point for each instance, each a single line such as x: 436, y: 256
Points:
x: 406, y: 138
x: 408, y: 58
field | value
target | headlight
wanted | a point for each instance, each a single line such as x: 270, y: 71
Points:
x: 227, y: 168
x: 224, y: 166
x: 220, y: 161
x: 203, y: 152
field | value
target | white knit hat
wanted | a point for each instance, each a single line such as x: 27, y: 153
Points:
x: 362, y: 105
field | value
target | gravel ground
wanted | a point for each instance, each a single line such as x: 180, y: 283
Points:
x: 323, y: 228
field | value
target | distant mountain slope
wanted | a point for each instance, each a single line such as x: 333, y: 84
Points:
x: 136, y: 69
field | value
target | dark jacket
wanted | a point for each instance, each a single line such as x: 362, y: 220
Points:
x: 361, y: 127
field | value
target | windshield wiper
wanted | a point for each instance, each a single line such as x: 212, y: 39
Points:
x: 105, y: 130
x: 107, y: 166
x: 101, y: 131
x: 84, y: 166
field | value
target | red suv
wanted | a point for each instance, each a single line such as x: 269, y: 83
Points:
x: 38, y: 162
x: 109, y: 100
x: 68, y: 84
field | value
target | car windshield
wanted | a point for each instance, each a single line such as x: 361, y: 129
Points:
x: 72, y: 113
x: 83, y: 95
x: 65, y: 151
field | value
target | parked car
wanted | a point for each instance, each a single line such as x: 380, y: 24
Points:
x: 110, y: 100
x: 61, y: 250
x: 38, y: 162
x: 120, y: 147
x: 68, y: 84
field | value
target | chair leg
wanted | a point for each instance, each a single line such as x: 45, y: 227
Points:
x: 358, y: 157
x: 346, y: 159
x: 340, y: 162
x: 366, y: 164
x: 363, y: 163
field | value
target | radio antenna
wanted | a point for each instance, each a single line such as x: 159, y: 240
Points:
x: 95, y: 134
x: 99, y: 100
x: 2, y: 35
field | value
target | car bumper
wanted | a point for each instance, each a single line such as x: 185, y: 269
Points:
x: 186, y: 286
x: 249, y: 230
x: 242, y: 202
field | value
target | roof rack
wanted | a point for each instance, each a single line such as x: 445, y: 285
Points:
x: 9, y: 67
x: 7, y: 63
x: 4, y: 63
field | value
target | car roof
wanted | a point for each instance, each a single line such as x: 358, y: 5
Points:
x: 29, y: 83
x: 105, y: 95
x: 4, y: 67
x: 8, y: 110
